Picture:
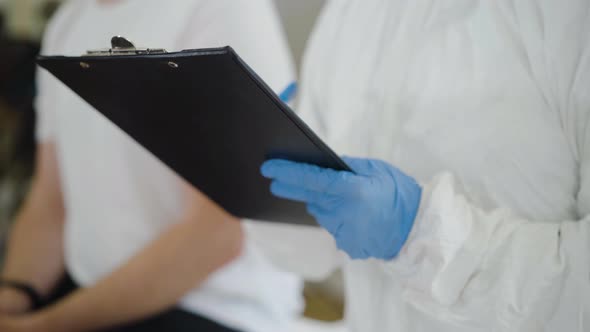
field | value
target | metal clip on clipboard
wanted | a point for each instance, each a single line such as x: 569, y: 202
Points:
x: 122, y: 46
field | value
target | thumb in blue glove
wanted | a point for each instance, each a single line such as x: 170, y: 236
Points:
x: 370, y: 213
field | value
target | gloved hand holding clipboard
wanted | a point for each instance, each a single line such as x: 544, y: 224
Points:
x: 205, y: 114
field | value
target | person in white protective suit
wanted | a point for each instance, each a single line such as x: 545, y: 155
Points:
x: 138, y: 248
x: 486, y: 104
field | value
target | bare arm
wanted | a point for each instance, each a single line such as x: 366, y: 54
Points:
x: 155, y: 279
x: 34, y: 254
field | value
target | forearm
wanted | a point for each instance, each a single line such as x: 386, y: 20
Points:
x: 35, y: 250
x: 152, y: 281
x: 35, y: 247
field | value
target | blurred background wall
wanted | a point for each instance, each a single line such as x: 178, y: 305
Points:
x: 299, y: 17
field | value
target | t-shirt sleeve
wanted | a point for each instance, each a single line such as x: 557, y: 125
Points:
x: 45, y: 130
x: 45, y: 103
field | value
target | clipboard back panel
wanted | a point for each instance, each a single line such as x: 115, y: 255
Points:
x: 207, y: 116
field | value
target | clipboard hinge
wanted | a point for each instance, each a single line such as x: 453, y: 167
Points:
x: 122, y: 46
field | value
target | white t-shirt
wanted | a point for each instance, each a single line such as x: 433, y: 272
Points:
x: 118, y: 196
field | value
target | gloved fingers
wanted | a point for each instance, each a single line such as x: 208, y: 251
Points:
x: 358, y: 254
x: 308, y: 176
x: 350, y: 247
x: 361, y: 254
x: 296, y: 193
x: 325, y: 219
x: 360, y: 166
x: 292, y: 192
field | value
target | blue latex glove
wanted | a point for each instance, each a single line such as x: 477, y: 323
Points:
x: 370, y: 213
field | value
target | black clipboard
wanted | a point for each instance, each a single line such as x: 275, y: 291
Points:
x: 205, y: 114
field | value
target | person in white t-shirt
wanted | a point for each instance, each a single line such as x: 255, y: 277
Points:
x: 133, y: 236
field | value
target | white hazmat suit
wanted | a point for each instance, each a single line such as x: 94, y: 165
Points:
x: 487, y: 104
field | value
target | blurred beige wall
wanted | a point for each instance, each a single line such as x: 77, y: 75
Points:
x: 299, y: 17
x: 26, y: 18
